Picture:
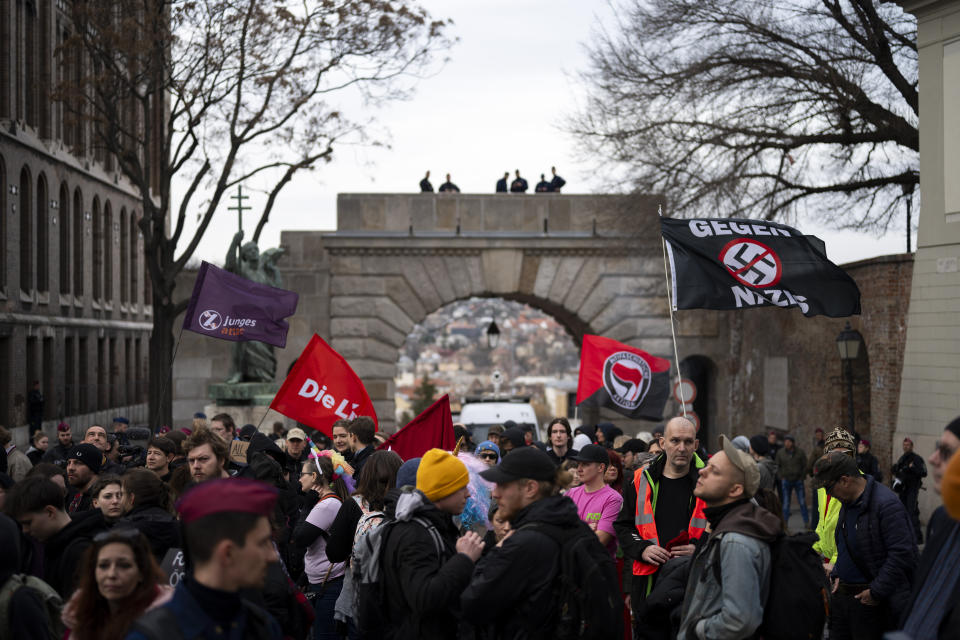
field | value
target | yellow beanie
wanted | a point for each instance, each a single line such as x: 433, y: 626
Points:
x: 950, y: 487
x: 440, y: 474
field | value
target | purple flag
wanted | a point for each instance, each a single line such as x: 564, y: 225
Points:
x: 230, y: 307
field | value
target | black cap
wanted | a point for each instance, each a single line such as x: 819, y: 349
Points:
x: 633, y: 445
x: 525, y: 462
x: 592, y: 453
x: 514, y: 435
x: 833, y: 466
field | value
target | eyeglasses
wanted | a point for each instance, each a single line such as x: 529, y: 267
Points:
x: 488, y: 456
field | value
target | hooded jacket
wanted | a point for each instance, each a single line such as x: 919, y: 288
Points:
x: 733, y: 606
x: 423, y: 586
x: 511, y: 591
x: 28, y: 617
x: 159, y: 527
x: 64, y: 550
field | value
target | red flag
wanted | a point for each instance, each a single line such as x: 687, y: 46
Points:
x: 321, y: 389
x: 432, y: 429
x: 623, y: 378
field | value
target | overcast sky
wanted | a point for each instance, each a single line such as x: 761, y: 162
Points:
x: 497, y: 105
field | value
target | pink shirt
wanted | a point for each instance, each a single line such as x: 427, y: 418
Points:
x: 601, y: 507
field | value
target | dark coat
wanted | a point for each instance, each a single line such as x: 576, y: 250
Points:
x: 342, y: 531
x: 64, y: 550
x: 511, y: 592
x: 885, y: 544
x: 360, y: 458
x: 911, y: 470
x: 869, y: 465
x: 423, y: 589
x: 159, y: 527
x: 937, y: 533
x: 502, y: 185
x: 28, y: 618
x: 57, y: 454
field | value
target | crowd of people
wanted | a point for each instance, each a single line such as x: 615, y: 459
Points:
x: 504, y: 184
x: 591, y: 534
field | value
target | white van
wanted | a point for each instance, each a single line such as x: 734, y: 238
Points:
x: 479, y: 415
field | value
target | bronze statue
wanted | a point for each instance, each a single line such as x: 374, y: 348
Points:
x: 253, y: 361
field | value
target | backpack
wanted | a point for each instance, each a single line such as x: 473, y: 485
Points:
x: 585, y: 588
x: 52, y: 603
x: 798, y: 599
x: 371, y: 606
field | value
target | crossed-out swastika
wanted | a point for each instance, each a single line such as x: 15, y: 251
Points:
x: 751, y: 263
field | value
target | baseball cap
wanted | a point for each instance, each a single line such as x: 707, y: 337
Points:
x: 525, y: 462
x: 495, y: 429
x: 592, y: 453
x: 745, y: 462
x: 633, y: 445
x: 514, y: 435
x: 832, y: 466
x: 296, y: 434
x: 88, y: 455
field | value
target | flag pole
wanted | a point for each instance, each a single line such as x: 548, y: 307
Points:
x: 673, y: 331
x: 163, y: 383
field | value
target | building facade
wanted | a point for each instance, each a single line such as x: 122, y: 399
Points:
x: 75, y: 310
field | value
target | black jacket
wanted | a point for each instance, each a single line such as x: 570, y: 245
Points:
x: 423, y: 588
x: 28, y: 618
x: 360, y: 458
x: 869, y: 466
x: 511, y: 592
x: 57, y: 454
x: 64, y: 550
x: 159, y: 527
x: 342, y: 531
x: 502, y: 185
x: 939, y: 529
x: 910, y: 469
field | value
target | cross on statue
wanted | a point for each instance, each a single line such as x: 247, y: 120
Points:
x: 239, y: 208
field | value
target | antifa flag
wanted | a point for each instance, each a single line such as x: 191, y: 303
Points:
x: 230, y: 307
x: 321, y: 388
x: 730, y: 263
x: 432, y: 429
x: 629, y: 381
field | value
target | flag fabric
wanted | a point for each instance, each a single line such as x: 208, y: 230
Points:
x: 321, y: 388
x: 432, y: 429
x: 623, y: 378
x: 230, y: 307
x: 730, y: 263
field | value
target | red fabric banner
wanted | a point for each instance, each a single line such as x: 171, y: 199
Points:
x: 321, y: 389
x: 432, y: 429
x: 623, y: 378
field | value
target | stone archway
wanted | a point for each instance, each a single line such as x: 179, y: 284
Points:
x: 592, y: 262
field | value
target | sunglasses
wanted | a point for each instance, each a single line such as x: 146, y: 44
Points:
x: 488, y: 456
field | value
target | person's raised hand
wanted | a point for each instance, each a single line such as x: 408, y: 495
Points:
x: 470, y: 545
x: 655, y: 554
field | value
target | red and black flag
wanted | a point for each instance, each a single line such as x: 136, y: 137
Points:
x: 730, y: 263
x: 622, y: 378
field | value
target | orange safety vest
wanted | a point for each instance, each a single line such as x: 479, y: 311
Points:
x: 647, y: 527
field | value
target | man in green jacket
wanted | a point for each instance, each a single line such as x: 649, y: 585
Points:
x: 792, y: 464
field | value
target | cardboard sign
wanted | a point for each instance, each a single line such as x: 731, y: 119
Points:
x: 238, y: 451
x: 174, y: 566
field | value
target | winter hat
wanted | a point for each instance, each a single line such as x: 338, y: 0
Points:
x: 407, y: 473
x: 440, y: 474
x: 487, y: 445
x: 954, y: 427
x: 950, y: 487
x: 88, y: 455
x: 760, y: 445
x: 580, y: 441
x: 742, y: 443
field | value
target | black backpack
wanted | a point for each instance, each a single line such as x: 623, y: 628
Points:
x: 798, y: 599
x: 585, y: 589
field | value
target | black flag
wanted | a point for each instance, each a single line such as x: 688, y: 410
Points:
x: 730, y: 263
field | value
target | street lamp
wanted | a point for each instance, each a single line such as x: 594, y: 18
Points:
x: 493, y: 335
x: 848, y: 344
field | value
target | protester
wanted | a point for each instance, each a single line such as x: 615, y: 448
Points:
x: 933, y: 609
x: 499, y: 528
x: 909, y: 472
x: 502, y: 183
x: 629, y: 451
x: 37, y: 504
x: 57, y: 454
x: 607, y: 433
x: 341, y: 439
x: 652, y: 531
x: 26, y: 617
x: 513, y: 593
x: 18, y: 464
x: 223, y: 425
x: 597, y: 503
x: 560, y: 438
x: 160, y: 453
x: 58, y: 475
x: 425, y: 566
x: 493, y: 434
x: 868, y: 462
x: 511, y: 439
x: 297, y: 449
x: 326, y: 493
x: 39, y: 444
x: 792, y: 465
x: 829, y: 508
x: 613, y: 476
x: 448, y: 186
x: 83, y: 466
x: 759, y: 450
x: 519, y: 185
x: 730, y: 607
x: 107, y: 496
x: 207, y: 454
x: 362, y: 430
x: 199, y: 422
x: 488, y: 452
x: 876, y: 553
x: 97, y: 436
x: 180, y: 457
x: 119, y: 580
x: 146, y: 506
x: 425, y: 186
x: 655, y: 447
x: 461, y: 431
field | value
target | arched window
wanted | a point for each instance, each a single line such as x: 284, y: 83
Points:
x: 134, y: 252
x: 107, y: 252
x: 43, y: 234
x: 64, y: 229
x: 97, y: 225
x: 26, y: 237
x: 124, y: 254
x: 78, y: 216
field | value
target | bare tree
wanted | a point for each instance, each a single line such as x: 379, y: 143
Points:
x: 767, y: 109
x: 211, y: 93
